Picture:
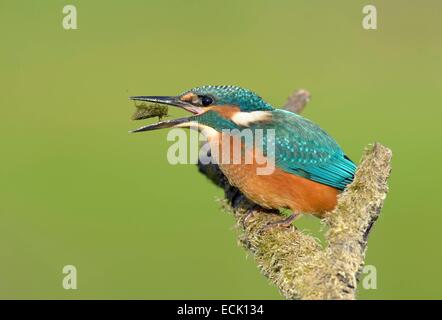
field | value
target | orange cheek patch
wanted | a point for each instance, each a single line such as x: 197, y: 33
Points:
x: 225, y: 111
x: 190, y: 97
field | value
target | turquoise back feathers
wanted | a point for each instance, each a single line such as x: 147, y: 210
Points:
x: 304, y: 149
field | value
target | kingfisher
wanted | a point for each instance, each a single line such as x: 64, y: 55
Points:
x: 310, y: 168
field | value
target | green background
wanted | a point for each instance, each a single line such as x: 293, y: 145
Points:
x: 76, y: 188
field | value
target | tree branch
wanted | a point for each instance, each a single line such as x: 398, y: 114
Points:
x: 297, y: 101
x: 294, y: 261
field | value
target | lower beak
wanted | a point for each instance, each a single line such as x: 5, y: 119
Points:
x: 162, y: 124
x: 171, y: 101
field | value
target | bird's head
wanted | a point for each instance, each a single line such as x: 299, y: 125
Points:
x: 217, y: 107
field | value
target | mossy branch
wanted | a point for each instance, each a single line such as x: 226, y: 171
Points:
x: 296, y: 262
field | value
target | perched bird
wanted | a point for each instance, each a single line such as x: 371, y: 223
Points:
x: 310, y: 168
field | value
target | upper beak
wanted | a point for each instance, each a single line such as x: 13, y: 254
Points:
x: 169, y: 100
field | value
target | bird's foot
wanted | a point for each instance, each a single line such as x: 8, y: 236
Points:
x: 285, y: 223
x: 249, y: 214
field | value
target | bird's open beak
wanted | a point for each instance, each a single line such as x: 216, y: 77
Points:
x: 171, y: 101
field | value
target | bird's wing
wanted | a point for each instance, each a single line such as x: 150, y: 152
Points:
x: 303, y: 148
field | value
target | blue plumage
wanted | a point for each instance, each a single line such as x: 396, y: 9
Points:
x: 301, y: 147
x: 304, y: 149
x: 232, y: 95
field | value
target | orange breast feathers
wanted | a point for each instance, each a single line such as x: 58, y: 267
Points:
x: 278, y: 189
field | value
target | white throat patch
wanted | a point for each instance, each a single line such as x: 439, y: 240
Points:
x: 245, y: 119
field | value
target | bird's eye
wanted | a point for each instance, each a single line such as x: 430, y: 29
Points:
x: 206, y: 100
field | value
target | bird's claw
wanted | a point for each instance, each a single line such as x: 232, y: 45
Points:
x: 248, y: 215
x: 285, y: 223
